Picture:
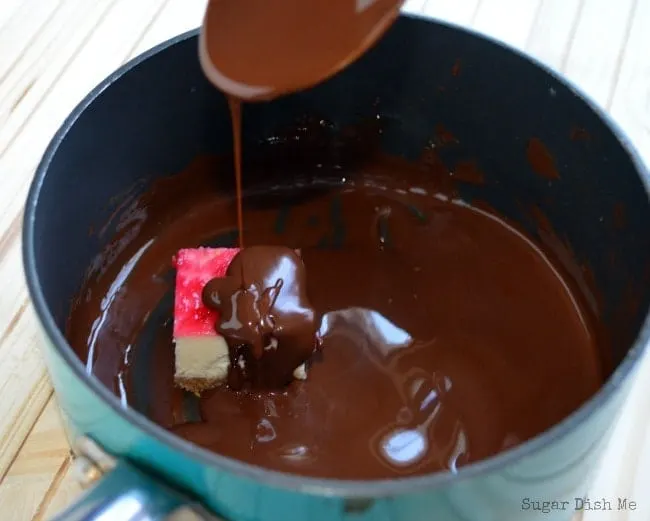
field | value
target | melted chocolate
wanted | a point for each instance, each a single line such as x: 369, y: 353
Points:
x: 447, y: 335
x: 265, y: 316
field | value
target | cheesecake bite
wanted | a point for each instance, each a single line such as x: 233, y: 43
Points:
x: 242, y: 317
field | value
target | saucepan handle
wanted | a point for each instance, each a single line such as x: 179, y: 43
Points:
x: 122, y: 492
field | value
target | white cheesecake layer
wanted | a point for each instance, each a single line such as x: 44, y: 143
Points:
x: 204, y: 361
x: 202, y: 357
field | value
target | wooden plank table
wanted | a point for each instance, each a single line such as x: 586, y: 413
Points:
x: 52, y: 52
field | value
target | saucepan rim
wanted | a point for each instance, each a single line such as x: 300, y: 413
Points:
x: 327, y: 487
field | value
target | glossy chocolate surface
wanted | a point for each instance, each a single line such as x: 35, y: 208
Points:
x: 447, y: 335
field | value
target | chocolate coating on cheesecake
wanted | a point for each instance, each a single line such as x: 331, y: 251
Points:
x: 265, y: 316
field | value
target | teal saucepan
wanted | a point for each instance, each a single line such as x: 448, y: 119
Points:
x: 153, y: 116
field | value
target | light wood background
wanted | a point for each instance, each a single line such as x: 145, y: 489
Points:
x: 52, y: 52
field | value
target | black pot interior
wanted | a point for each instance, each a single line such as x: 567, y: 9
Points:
x: 156, y: 117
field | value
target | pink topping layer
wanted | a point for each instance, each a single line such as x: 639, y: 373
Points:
x: 195, y: 267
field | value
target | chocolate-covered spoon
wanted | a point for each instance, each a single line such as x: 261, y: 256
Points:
x: 260, y: 49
